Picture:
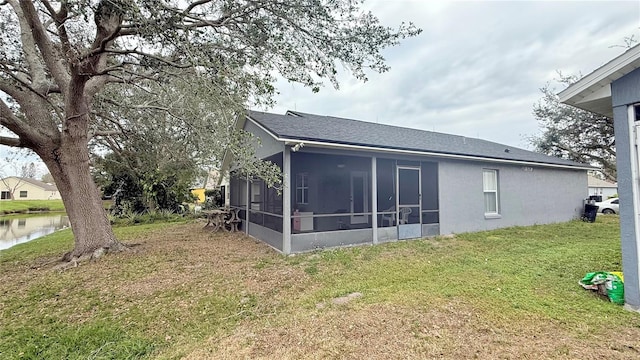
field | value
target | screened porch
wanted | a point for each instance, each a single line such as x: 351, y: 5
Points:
x: 334, y: 200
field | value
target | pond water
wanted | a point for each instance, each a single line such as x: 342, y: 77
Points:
x: 16, y: 230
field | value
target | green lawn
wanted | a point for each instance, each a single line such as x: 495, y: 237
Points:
x: 183, y: 292
x: 22, y: 206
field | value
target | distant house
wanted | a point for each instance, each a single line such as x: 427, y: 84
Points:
x: 210, y: 182
x: 614, y: 90
x: 598, y: 187
x: 352, y: 182
x: 20, y: 188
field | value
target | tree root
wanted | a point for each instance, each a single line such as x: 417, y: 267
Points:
x: 69, y: 260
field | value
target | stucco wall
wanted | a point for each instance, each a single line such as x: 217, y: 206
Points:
x: 33, y: 192
x: 267, y: 235
x: 268, y: 146
x: 527, y: 196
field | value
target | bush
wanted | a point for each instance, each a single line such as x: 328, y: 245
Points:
x: 214, y: 199
x: 147, y: 217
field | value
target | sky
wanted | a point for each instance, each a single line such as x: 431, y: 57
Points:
x: 477, y: 68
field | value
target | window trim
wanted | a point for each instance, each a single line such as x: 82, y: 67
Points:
x: 23, y: 192
x: 496, y: 191
x: 302, y: 184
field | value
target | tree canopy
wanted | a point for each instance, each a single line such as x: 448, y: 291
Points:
x: 78, y: 75
x: 574, y: 134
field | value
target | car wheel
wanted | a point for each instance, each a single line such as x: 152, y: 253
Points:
x: 608, y: 211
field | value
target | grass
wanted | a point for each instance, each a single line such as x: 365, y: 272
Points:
x: 23, y: 206
x: 186, y: 293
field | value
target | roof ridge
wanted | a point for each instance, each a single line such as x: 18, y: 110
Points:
x: 36, y: 182
x: 301, y: 114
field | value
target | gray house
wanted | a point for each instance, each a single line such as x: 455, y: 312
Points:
x: 351, y: 182
x: 614, y: 90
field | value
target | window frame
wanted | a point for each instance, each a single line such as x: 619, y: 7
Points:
x: 256, y: 199
x: 23, y: 194
x: 485, y: 190
x: 302, y: 188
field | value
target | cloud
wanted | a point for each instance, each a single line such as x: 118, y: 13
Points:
x: 477, y: 68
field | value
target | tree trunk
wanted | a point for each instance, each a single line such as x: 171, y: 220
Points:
x: 69, y: 166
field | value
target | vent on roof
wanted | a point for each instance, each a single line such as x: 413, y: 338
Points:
x: 291, y: 113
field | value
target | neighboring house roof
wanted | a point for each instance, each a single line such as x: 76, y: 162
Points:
x: 593, y: 92
x: 598, y: 183
x: 302, y: 127
x: 41, y: 184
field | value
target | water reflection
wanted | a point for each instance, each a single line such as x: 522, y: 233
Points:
x: 16, y: 230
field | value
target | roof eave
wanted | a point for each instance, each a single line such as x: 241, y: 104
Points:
x: 593, y: 91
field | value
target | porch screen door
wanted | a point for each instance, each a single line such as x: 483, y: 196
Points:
x: 408, y: 203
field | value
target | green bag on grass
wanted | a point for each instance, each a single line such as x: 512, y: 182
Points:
x: 612, y: 282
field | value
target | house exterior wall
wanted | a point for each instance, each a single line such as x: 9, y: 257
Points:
x: 526, y: 196
x: 33, y: 192
x: 624, y: 92
x: 268, y: 145
x: 452, y: 196
x: 602, y: 191
x: 271, y: 237
x: 321, y: 240
x: 199, y: 194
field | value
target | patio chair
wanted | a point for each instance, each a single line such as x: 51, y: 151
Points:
x: 404, y: 215
x: 389, y: 218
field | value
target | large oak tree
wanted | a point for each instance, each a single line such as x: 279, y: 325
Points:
x: 59, y: 61
x: 574, y: 134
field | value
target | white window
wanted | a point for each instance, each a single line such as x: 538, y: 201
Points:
x: 302, y: 188
x: 490, y: 187
x: 256, y: 195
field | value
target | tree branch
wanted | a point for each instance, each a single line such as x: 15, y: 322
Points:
x: 9, y: 141
x: 102, y: 46
x: 151, y: 56
x: 37, y: 71
x: 194, y: 5
x: 44, y: 44
x: 104, y: 133
x: 29, y: 133
x: 9, y: 120
x: 59, y: 17
x: 43, y: 90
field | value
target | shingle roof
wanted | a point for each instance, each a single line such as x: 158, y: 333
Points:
x: 38, y: 183
x: 328, y: 129
x: 595, y: 182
